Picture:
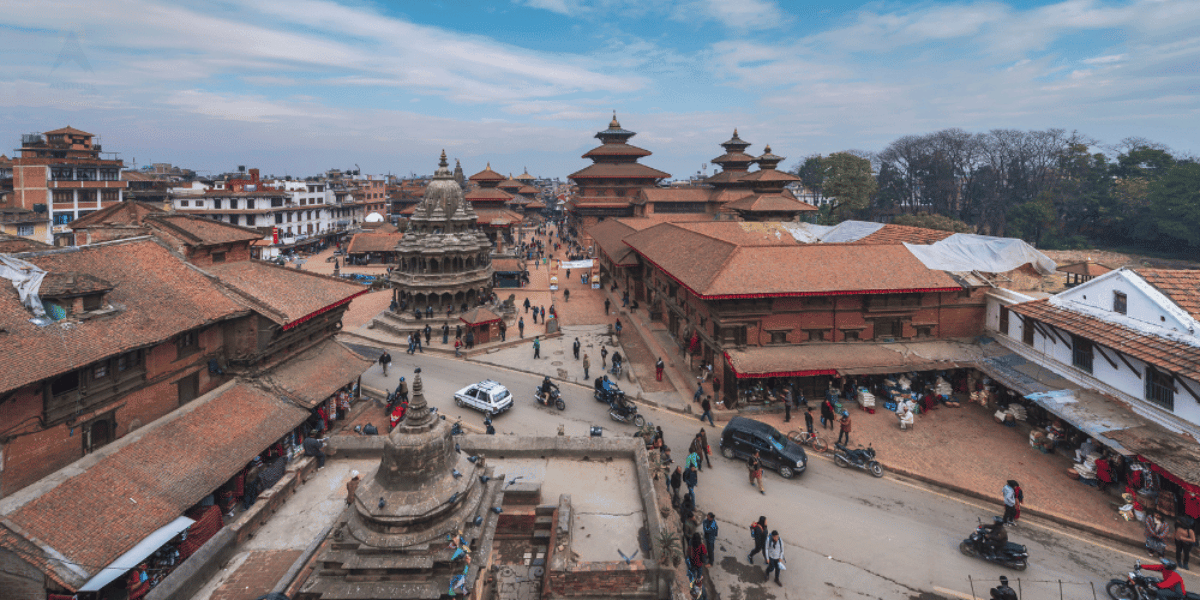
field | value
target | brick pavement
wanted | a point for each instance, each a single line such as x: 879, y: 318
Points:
x: 256, y: 575
x: 964, y: 450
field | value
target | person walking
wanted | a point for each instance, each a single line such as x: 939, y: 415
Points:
x: 385, y: 359
x: 503, y: 330
x: 844, y: 434
x: 411, y: 347
x: 827, y: 414
x: 535, y: 315
x: 567, y: 293
x: 428, y: 332
x: 537, y: 348
x: 690, y: 477
x: 521, y: 326
x: 446, y: 333
x: 808, y: 420
x: 527, y: 305
x: 711, y: 528
x: 658, y: 369
x: 607, y: 305
x: 696, y: 448
x: 699, y: 392
x: 1185, y: 539
x: 706, y: 406
x: 575, y: 348
x: 697, y: 555
x: 775, y: 559
x: 676, y: 483
x: 586, y: 364
x: 787, y: 411
x: 705, y: 449
x: 1009, y: 493
x: 754, y: 469
x: 417, y: 339
x: 352, y: 487
x: 603, y: 356
x: 1020, y: 502
x: 470, y: 340
x: 758, y: 533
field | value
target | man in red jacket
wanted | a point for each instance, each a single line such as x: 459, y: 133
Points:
x: 1171, y: 579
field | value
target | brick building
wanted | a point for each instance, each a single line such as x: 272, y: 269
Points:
x: 61, y: 174
x: 763, y: 300
x: 156, y: 375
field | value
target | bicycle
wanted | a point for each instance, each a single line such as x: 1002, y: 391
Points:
x: 805, y: 438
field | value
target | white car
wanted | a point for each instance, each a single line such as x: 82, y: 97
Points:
x: 486, y: 396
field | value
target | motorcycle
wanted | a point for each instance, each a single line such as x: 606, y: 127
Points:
x: 626, y: 412
x: 1137, y: 587
x: 1013, y: 556
x: 863, y: 458
x: 554, y: 400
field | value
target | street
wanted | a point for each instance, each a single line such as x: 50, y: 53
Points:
x: 847, y: 534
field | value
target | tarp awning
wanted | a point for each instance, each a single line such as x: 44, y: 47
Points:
x: 848, y: 359
x: 1176, y: 453
x: 137, y: 554
x: 577, y: 264
x: 1090, y: 412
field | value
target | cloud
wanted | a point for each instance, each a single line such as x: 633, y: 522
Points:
x: 738, y: 15
x: 1104, y: 60
x: 562, y: 7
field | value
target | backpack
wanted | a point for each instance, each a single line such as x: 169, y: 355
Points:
x: 754, y: 529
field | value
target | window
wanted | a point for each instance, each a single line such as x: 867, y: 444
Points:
x: 1081, y: 353
x: 1160, y: 388
x: 110, y: 195
x: 249, y: 202
x: 183, y: 203
x: 893, y: 301
x: 778, y: 337
x: 276, y: 202
x: 1004, y: 320
x: 25, y: 230
x: 187, y: 343
x: 278, y: 218
x: 218, y: 257
x: 816, y: 335
x: 924, y: 331
x: 1120, y: 302
x: 1027, y: 332
x: 233, y: 219
x: 93, y: 302
x: 189, y: 388
x: 129, y: 360
x: 233, y: 203
x: 887, y: 328
x: 250, y: 220
x: 216, y: 203
x: 850, y: 335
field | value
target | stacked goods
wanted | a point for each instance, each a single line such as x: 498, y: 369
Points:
x: 865, y: 398
x: 905, y: 383
x: 1017, y: 411
x: 943, y: 388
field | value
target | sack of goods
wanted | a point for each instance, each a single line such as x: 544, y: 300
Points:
x: 905, y: 383
x: 1017, y: 411
x: 866, y: 399
x: 943, y: 388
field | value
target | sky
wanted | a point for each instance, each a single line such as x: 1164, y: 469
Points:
x: 295, y: 87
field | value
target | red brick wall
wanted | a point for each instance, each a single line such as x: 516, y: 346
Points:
x: 30, y: 176
x: 599, y: 579
x: 202, y: 257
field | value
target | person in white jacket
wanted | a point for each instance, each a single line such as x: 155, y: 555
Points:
x: 775, y: 559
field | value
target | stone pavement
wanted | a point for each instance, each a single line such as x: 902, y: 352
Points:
x: 258, y: 573
x: 965, y: 451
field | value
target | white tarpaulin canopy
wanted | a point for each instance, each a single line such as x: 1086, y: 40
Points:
x: 965, y: 252
x: 577, y: 264
x: 137, y: 554
x: 27, y: 278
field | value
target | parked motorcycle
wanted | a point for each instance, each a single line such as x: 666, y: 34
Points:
x: 1013, y: 556
x: 863, y: 458
x: 554, y: 400
x: 1136, y: 586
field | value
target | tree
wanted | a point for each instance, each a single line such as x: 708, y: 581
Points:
x: 1175, y: 206
x: 849, y: 181
x: 811, y: 175
x: 934, y: 221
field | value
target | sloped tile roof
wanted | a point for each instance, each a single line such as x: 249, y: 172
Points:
x: 479, y: 316
x: 727, y: 259
x: 1181, y: 286
x: 161, y: 296
x: 673, y: 194
x: 610, y: 236
x: 11, y: 244
x: 70, y: 130
x: 286, y: 296
x: 770, y: 203
x: 1177, y: 357
x: 498, y: 217
x: 619, y: 170
x: 1087, y: 269
x: 769, y: 175
x: 112, y: 499
x: 315, y: 374
x: 617, y: 150
x: 374, y: 242
x: 71, y: 283
x: 824, y: 358
x: 130, y: 213
x: 199, y: 231
x: 488, y: 195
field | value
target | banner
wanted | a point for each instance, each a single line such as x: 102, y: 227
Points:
x: 576, y: 264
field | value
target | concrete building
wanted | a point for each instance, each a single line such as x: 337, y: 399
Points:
x: 62, y: 175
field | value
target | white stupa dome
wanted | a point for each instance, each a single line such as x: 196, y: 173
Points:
x: 374, y: 218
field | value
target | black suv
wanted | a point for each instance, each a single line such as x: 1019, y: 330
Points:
x: 742, y: 436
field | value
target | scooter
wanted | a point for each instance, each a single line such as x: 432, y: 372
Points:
x: 1013, y: 556
x: 627, y: 415
x: 554, y: 400
x: 863, y: 458
x: 1137, y: 587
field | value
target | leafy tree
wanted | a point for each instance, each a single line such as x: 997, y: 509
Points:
x: 811, y: 175
x: 1032, y: 221
x: 849, y: 180
x: 934, y: 221
x: 1175, y: 206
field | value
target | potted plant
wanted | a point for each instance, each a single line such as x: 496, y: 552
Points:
x: 669, y: 549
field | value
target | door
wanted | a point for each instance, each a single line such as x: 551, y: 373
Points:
x: 766, y: 452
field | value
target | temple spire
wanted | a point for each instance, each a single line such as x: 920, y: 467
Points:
x: 418, y: 413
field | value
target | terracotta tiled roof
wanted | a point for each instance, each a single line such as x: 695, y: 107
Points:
x: 726, y: 196
x: 1181, y: 286
x: 487, y: 175
x: 62, y: 284
x: 535, y: 205
x: 121, y: 213
x: 601, y: 202
x: 498, y: 217
x: 373, y: 242
x: 859, y: 359
x: 508, y: 265
x: 1177, y: 357
x: 145, y: 480
x: 729, y: 259
x: 1087, y: 269
x: 69, y: 130
x: 650, y: 220
x: 617, y: 150
x: 673, y: 194
x: 895, y: 234
x: 286, y: 296
x: 488, y: 195
x: 726, y: 176
x: 770, y: 203
x: 527, y: 190
x: 769, y: 175
x: 610, y: 236
x: 479, y: 316
x: 733, y: 157
x: 10, y: 244
x: 315, y: 374
x: 160, y: 294
x: 619, y: 170
x: 199, y: 231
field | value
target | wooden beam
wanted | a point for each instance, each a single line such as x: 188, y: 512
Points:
x: 1100, y: 349
x: 1045, y: 334
x: 1059, y: 335
x: 1183, y: 382
x: 1124, y: 360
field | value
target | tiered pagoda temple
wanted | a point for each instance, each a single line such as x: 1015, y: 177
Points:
x: 608, y: 187
x: 768, y: 200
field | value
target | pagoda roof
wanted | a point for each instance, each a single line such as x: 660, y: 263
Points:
x: 69, y: 130
x: 527, y: 189
x: 617, y: 149
x: 733, y: 157
x: 727, y: 176
x: 619, y: 171
x: 765, y: 175
x: 770, y: 203
x: 487, y: 175
x: 525, y: 176
x: 488, y: 195
x: 736, y: 142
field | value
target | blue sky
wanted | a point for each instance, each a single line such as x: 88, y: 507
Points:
x: 299, y: 86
